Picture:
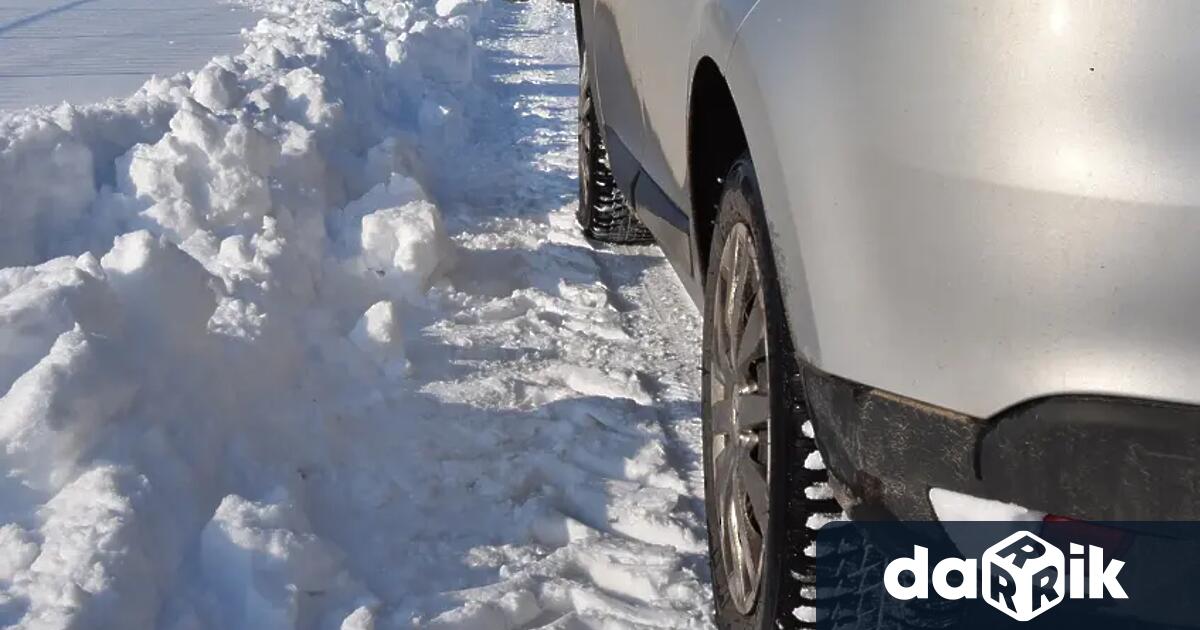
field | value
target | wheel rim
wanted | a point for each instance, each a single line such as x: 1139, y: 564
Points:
x: 740, y: 413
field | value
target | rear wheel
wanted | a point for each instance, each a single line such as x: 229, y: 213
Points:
x: 603, y: 212
x: 764, y: 503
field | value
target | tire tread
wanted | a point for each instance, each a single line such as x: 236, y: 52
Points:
x: 604, y: 213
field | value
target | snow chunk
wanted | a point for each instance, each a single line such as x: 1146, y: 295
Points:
x: 444, y: 49
x: 17, y: 551
x: 37, y: 304
x: 217, y: 88
x: 169, y: 295
x: 306, y: 98
x: 204, y: 174
x: 57, y: 410
x: 263, y: 562
x: 594, y: 382
x: 46, y: 186
x: 512, y: 610
x: 363, y: 618
x: 449, y: 8
x: 378, y: 335
x: 94, y: 550
x: 401, y: 239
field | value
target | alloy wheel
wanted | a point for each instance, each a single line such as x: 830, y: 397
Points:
x: 740, y: 415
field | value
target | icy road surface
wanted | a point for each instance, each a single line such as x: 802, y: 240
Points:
x: 88, y: 50
x: 307, y: 338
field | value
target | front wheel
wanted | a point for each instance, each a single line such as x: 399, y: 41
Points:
x: 764, y: 502
x: 766, y: 488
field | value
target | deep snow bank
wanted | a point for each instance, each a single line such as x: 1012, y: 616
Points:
x: 183, y: 275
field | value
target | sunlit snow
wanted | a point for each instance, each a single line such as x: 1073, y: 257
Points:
x: 88, y: 50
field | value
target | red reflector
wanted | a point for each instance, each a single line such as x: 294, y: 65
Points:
x: 1063, y: 530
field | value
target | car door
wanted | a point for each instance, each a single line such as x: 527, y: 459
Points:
x: 611, y: 37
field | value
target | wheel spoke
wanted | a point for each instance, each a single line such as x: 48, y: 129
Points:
x: 728, y: 541
x: 752, y: 345
x: 723, y: 470
x: 745, y: 542
x: 737, y: 291
x: 746, y: 569
x: 722, y: 367
x: 755, y: 483
x: 722, y: 376
x: 751, y: 545
x: 738, y: 574
x: 724, y: 280
x: 741, y: 262
x: 753, y: 411
x: 728, y: 357
x: 722, y: 417
x: 721, y: 323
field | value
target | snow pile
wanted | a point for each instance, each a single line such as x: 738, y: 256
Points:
x: 185, y: 273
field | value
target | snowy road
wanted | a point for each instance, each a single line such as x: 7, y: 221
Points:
x: 87, y: 50
x: 348, y: 362
x: 592, y: 355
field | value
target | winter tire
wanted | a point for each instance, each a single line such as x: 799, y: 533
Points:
x: 603, y: 212
x: 765, y: 482
x: 762, y: 500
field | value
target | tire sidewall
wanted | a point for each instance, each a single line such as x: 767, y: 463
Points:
x: 586, y: 185
x: 741, y: 202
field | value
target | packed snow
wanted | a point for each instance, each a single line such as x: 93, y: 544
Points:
x: 306, y: 337
x: 88, y: 50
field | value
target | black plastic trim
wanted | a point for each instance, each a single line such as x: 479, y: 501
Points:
x: 1087, y: 457
x: 625, y: 166
x: 652, y: 198
x: 669, y: 224
x: 1097, y: 458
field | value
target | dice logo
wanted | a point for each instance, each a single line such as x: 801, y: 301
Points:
x: 1023, y: 576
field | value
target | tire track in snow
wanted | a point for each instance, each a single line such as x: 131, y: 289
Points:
x: 580, y: 360
x: 30, y: 19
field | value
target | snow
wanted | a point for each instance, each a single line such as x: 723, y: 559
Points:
x: 955, y: 510
x: 89, y: 50
x: 952, y: 506
x: 305, y: 336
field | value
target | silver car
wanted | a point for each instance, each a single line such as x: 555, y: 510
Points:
x: 952, y: 247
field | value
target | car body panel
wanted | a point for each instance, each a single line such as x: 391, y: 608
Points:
x: 971, y: 205
x: 665, y: 67
x: 611, y: 27
x: 663, y: 55
x: 992, y: 203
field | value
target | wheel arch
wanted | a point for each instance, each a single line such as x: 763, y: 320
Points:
x: 727, y: 114
x: 715, y: 141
